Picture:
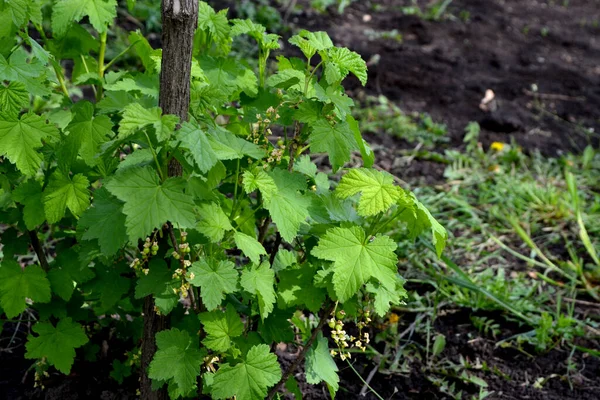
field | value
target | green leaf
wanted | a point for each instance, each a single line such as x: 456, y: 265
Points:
x: 22, y: 137
x: 29, y: 193
x: 150, y: 57
x: 259, y: 280
x: 385, y: 297
x: 56, y: 344
x: 305, y: 166
x: 195, y: 140
x: 136, y: 117
x: 215, y: 279
x: 105, y: 221
x: 145, y: 84
x: 229, y: 76
x: 288, y: 207
x: 159, y: 283
x: 13, y: 97
x: 377, y: 189
x: 108, y: 287
x: 277, y: 327
x: 340, y: 61
x: 335, y: 140
x: 29, y: 71
x: 357, y: 259
x: 257, y: 178
x: 18, y: 284
x: 87, y: 132
x: 213, y: 222
x: 228, y: 146
x: 311, y: 42
x: 178, y: 358
x: 149, y: 203
x: 63, y: 192
x: 251, y: 247
x: 320, y: 366
x: 216, y: 23
x: 100, y: 13
x: 296, y: 287
x: 249, y: 379
x: 120, y: 371
x: 365, y: 150
x: 418, y: 218
x: 221, y: 327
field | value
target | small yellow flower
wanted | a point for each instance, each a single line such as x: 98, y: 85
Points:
x: 497, y: 146
x: 394, y: 318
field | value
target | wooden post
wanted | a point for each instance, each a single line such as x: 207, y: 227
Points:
x: 179, y: 21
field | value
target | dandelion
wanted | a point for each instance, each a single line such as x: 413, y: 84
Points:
x: 497, y: 146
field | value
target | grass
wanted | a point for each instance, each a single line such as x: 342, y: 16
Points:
x: 522, y: 260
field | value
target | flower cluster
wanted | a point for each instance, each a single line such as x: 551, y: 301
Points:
x: 345, y: 341
x: 149, y: 249
x: 180, y: 273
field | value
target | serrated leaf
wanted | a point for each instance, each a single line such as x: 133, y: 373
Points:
x: 22, y: 137
x: 320, y: 366
x: 18, y: 284
x: 136, y: 117
x: 56, y: 344
x: 305, y: 166
x: 249, y: 379
x: 215, y: 279
x: 13, y: 97
x: 99, y: 12
x: 65, y: 192
x: 377, y: 189
x: 195, y: 140
x: 216, y: 23
x: 145, y: 84
x: 340, y: 61
x: 145, y: 52
x: 418, y: 218
x: 277, y: 327
x: 213, y: 222
x: 90, y: 132
x: 29, y: 71
x: 335, y: 140
x: 251, y: 247
x: 108, y: 287
x: 221, y: 327
x: 259, y: 280
x: 311, y: 42
x: 29, y: 193
x: 229, y: 75
x: 257, y: 178
x: 385, y: 297
x: 178, y: 358
x: 288, y: 207
x: 228, y: 146
x: 365, y: 150
x: 149, y: 203
x: 296, y: 287
x: 357, y: 259
x: 105, y: 221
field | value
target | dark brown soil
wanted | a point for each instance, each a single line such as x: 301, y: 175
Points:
x: 445, y: 67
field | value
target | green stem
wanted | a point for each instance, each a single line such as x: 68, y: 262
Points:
x: 101, y: 56
x: 235, y: 189
x: 310, y: 77
x: 364, y: 382
x: 88, y: 71
x: 111, y: 62
x: 55, y: 65
x: 158, y: 167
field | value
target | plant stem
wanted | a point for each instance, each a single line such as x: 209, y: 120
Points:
x: 88, y: 71
x: 111, y: 62
x: 290, y: 370
x: 101, y: 68
x: 310, y: 77
x: 235, y: 189
x: 39, y: 250
x: 158, y: 167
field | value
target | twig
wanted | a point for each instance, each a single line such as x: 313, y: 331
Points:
x: 262, y: 231
x: 39, y: 251
x: 290, y: 370
x: 275, y: 248
x: 363, y: 391
x: 552, y: 96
